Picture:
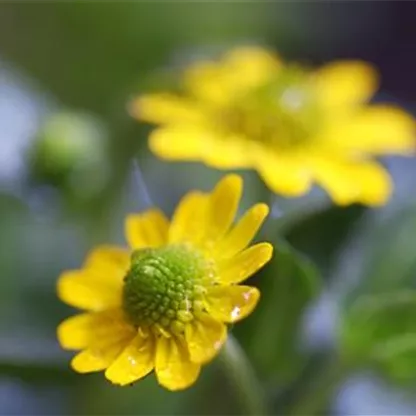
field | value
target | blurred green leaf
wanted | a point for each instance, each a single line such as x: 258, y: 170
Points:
x: 290, y: 283
x: 380, y: 329
x: 377, y: 324
x: 37, y: 373
x: 400, y: 362
x: 391, y: 260
x: 322, y: 233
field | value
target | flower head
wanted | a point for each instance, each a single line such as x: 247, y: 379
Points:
x: 294, y: 126
x: 163, y: 304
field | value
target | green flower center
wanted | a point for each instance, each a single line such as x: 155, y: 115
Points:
x: 283, y: 113
x: 164, y: 287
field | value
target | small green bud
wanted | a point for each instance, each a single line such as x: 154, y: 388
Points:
x: 70, y: 152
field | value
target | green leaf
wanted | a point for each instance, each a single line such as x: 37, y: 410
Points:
x: 377, y: 322
x: 290, y: 283
x: 322, y: 234
x: 380, y: 329
x: 391, y: 262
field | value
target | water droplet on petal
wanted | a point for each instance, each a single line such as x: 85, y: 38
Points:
x: 247, y: 295
x: 132, y: 360
x: 235, y: 313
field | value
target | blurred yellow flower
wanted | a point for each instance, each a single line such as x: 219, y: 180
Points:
x: 163, y: 305
x: 294, y: 126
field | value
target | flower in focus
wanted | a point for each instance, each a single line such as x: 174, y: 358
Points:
x: 294, y: 126
x: 163, y: 304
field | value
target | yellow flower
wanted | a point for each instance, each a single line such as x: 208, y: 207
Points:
x: 294, y: 126
x: 163, y: 304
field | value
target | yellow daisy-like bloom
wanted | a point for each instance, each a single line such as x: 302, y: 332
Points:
x: 294, y: 126
x: 163, y: 304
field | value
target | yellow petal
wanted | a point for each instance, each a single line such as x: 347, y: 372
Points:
x: 378, y: 130
x: 233, y: 154
x: 174, y: 370
x: 83, y: 330
x: 183, y: 142
x: 200, y: 142
x: 99, y: 356
x: 134, y: 363
x: 205, y: 336
x: 105, y: 257
x: 208, y: 82
x: 230, y: 151
x: 285, y: 175
x: 87, y: 290
x: 251, y: 65
x: 244, y: 231
x: 244, y: 264
x: 348, y: 182
x: 222, y: 81
x: 98, y: 285
x: 223, y: 206
x: 189, y: 218
x: 148, y: 229
x: 348, y: 83
x: 231, y: 303
x: 165, y: 108
x: 75, y: 332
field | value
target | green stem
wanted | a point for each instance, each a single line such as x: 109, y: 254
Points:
x: 243, y: 378
x: 317, y: 394
x: 37, y: 373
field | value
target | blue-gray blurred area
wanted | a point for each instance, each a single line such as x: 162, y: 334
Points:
x: 67, y: 178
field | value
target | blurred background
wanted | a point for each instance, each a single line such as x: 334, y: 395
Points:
x: 335, y: 338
